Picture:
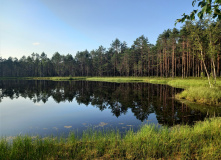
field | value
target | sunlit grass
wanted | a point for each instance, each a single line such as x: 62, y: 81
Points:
x: 202, y: 95
x: 116, y: 79
x: 201, y: 141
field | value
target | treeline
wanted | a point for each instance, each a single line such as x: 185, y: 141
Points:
x: 192, y: 51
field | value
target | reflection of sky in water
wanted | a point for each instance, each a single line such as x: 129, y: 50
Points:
x: 120, y: 106
x: 22, y: 116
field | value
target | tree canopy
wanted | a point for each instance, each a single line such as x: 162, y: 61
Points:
x: 192, y: 51
x: 207, y: 7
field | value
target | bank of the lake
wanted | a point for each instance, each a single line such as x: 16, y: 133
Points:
x: 195, y: 89
x: 201, y: 141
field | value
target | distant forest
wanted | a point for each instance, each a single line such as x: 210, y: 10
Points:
x: 192, y: 51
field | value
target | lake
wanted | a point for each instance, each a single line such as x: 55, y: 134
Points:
x: 56, y: 108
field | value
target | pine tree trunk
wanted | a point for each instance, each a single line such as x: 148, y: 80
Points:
x: 173, y: 62
x: 183, y: 61
x: 198, y: 67
x: 205, y: 69
x: 184, y: 67
x: 214, y: 71
x: 152, y: 65
x: 163, y: 70
x: 157, y: 65
x: 161, y: 67
x: 218, y: 65
x: 148, y: 65
x: 187, y: 60
x: 193, y: 68
x: 201, y: 67
x: 168, y: 66
x: 165, y: 62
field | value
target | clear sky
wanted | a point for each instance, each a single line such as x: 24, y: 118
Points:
x: 68, y: 26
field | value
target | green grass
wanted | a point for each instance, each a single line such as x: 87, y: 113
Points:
x: 202, y: 95
x: 117, y: 79
x: 201, y: 141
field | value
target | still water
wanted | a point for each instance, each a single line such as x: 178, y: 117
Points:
x: 49, y: 107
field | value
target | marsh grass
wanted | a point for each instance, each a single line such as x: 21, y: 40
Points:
x: 206, y: 95
x: 201, y: 141
x: 117, y: 79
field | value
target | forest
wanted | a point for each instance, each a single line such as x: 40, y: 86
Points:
x: 192, y: 51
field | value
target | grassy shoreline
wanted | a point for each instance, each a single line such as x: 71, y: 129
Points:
x: 195, y: 89
x: 201, y: 141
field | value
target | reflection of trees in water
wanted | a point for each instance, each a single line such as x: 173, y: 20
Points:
x: 141, y: 98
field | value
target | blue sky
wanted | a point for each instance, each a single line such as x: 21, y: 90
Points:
x: 68, y: 26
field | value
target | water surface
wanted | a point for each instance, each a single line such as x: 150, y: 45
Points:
x: 49, y: 107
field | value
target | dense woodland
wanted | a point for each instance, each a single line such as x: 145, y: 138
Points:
x: 192, y: 51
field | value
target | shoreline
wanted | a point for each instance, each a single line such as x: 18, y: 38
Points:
x: 196, y: 90
x: 200, y: 141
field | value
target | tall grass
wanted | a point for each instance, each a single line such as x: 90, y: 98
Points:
x: 201, y: 141
x: 202, y: 95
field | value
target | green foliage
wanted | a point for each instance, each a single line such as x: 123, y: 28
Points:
x: 207, y: 7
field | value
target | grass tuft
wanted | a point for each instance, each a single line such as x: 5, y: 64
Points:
x: 202, y: 95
